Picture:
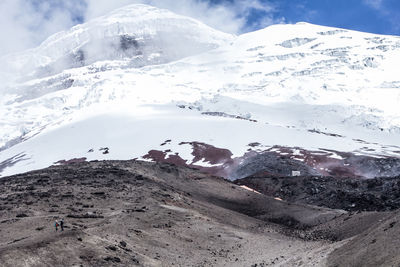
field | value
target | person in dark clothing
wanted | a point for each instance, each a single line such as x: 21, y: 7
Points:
x: 56, y: 225
x: 62, y: 224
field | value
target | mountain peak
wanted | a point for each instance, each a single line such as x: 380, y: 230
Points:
x: 141, y: 34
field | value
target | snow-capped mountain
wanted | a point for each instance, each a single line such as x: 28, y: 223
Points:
x: 145, y: 83
x: 143, y: 34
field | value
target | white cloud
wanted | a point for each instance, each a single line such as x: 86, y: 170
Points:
x: 26, y: 23
x: 375, y: 4
x: 385, y: 13
x: 230, y: 17
x: 13, y: 28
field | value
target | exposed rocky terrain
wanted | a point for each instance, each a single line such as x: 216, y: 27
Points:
x: 378, y: 194
x: 278, y: 161
x: 127, y: 213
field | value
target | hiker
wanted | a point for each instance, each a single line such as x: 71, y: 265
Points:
x: 56, y: 225
x: 62, y: 225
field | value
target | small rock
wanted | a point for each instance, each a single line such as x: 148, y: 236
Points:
x: 112, y: 259
x: 111, y: 248
x: 136, y: 261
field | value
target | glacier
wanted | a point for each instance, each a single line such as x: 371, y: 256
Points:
x: 140, y: 76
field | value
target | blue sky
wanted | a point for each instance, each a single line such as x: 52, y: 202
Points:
x: 375, y: 16
x: 26, y: 23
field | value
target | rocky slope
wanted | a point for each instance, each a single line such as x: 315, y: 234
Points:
x: 128, y: 213
x: 352, y: 194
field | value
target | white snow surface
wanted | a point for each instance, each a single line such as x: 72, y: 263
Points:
x: 140, y: 34
x: 301, y: 85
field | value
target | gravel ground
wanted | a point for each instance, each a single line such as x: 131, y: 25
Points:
x: 132, y: 213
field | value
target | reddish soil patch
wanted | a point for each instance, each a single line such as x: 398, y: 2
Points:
x: 201, y: 152
x: 280, y: 161
x: 322, y: 161
x: 161, y: 156
x: 209, y: 153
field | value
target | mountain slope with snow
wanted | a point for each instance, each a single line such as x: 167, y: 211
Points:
x: 141, y: 34
x: 204, y: 98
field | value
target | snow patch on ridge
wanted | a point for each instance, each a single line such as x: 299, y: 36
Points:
x: 166, y: 133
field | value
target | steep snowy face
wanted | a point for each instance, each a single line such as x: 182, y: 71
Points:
x: 141, y: 34
x: 310, y: 64
x: 322, y: 65
x: 310, y: 93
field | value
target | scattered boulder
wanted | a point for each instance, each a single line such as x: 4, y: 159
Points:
x: 112, y: 259
x: 112, y: 248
